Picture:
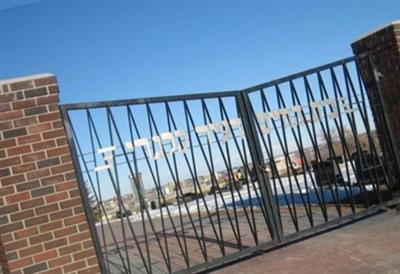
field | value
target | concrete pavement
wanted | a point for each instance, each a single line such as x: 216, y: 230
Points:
x: 368, y: 246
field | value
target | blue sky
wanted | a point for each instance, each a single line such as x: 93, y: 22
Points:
x: 102, y: 50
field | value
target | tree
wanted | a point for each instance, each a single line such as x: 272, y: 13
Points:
x: 336, y: 142
x: 94, y: 205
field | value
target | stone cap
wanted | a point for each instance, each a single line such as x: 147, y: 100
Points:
x: 25, y: 78
x: 27, y: 82
x: 397, y: 22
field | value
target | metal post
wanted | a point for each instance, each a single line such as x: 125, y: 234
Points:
x: 385, y: 124
x: 83, y: 191
x: 245, y: 110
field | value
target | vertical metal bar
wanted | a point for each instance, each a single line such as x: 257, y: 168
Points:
x: 195, y: 178
x: 232, y: 182
x: 258, y: 160
x: 224, y: 113
x: 83, y: 192
x: 341, y: 131
x: 158, y: 188
x: 364, y: 115
x: 247, y: 175
x: 385, y: 165
x: 98, y: 197
x: 387, y: 126
x: 211, y: 170
x: 310, y: 98
x: 118, y: 192
x: 141, y: 201
x: 328, y: 139
x: 162, y: 195
x: 360, y: 179
x: 189, y: 118
x: 112, y: 119
x: 270, y: 154
x: 195, y: 185
x: 274, y: 170
x: 289, y: 163
x: 360, y: 153
x: 98, y: 188
x: 118, y: 197
x: 299, y: 143
x: 327, y: 133
x: 350, y: 87
x: 321, y: 200
x: 228, y: 165
x: 169, y: 118
x: 214, y: 182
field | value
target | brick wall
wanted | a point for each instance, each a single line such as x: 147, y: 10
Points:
x: 43, y: 226
x: 384, y: 44
x: 381, y: 75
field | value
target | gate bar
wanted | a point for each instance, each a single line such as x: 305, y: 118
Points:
x: 249, y: 127
x: 82, y: 189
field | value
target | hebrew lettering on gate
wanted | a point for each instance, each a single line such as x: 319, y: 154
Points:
x: 108, y: 156
x: 142, y: 142
x: 183, y: 142
x: 234, y: 123
x: 288, y: 115
x: 223, y: 127
x: 332, y: 105
x: 168, y: 143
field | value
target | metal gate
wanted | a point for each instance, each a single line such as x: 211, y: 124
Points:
x: 186, y: 183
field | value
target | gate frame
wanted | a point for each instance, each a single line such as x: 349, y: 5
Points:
x: 245, y: 109
x: 83, y: 190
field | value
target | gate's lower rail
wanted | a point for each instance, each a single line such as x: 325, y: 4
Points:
x: 186, y: 183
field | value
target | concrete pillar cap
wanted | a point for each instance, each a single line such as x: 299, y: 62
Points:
x: 397, y: 22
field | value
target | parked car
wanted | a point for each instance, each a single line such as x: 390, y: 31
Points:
x: 327, y: 173
x: 123, y: 214
x: 283, y: 168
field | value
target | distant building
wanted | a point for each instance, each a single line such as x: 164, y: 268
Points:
x: 169, y: 189
x: 137, y: 190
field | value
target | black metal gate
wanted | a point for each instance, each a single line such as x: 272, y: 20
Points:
x: 185, y: 183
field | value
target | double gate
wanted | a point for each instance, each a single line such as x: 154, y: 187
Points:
x: 186, y: 183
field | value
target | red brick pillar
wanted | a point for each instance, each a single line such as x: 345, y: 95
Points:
x: 43, y: 226
x: 384, y: 45
x: 381, y: 74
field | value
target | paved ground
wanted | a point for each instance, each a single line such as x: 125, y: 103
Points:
x: 369, y: 246
x: 197, y: 237
x: 191, y: 242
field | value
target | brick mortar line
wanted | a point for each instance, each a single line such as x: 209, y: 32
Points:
x: 65, y: 180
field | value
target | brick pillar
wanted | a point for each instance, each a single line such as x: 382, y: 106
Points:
x: 384, y: 45
x: 381, y: 74
x: 43, y: 226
